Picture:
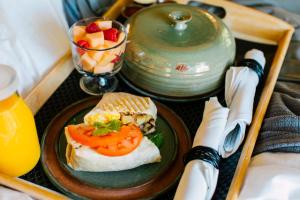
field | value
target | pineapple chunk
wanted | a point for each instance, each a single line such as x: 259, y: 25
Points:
x: 87, y: 62
x: 103, y: 25
x: 95, y: 39
x: 99, y: 69
x: 78, y: 32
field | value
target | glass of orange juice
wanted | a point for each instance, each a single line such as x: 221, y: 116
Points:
x: 19, y: 144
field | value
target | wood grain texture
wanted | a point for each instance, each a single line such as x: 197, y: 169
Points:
x: 250, y: 24
x: 115, y: 10
x: 47, y: 86
x: 258, y: 117
x: 31, y: 189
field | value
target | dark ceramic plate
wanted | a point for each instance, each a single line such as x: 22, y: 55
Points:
x: 146, y: 181
x: 165, y: 97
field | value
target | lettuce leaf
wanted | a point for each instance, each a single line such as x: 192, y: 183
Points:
x: 104, y: 129
x: 157, y: 138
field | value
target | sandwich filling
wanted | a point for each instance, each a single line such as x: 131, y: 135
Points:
x: 127, y: 108
x: 145, y: 122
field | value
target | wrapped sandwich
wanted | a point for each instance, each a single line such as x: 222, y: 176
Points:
x: 112, y: 137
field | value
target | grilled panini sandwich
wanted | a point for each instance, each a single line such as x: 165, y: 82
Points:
x: 112, y: 137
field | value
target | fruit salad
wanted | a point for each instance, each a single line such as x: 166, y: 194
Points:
x: 99, y: 46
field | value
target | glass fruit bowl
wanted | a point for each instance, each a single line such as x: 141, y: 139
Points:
x: 98, y: 46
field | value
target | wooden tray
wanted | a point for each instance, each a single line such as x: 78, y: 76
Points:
x: 246, y: 24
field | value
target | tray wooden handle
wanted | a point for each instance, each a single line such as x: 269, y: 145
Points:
x: 31, y: 189
x: 115, y: 10
x: 258, y: 117
x: 264, y: 28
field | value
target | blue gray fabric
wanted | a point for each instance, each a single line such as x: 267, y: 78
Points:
x: 289, y: 5
x: 78, y: 9
x: 280, y: 131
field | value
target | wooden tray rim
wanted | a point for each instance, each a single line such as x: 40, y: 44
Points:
x: 246, y: 24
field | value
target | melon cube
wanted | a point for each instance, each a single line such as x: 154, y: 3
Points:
x: 121, y: 37
x: 96, y: 55
x: 109, y: 44
x: 115, y: 51
x: 95, y: 39
x: 78, y: 32
x: 99, y: 69
x: 120, y: 49
x: 103, y: 25
x: 87, y: 62
x: 107, y: 57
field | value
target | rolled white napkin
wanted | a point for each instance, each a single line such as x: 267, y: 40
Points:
x: 199, y: 178
x: 8, y: 194
x: 222, y: 129
x: 33, y: 38
x: 240, y: 87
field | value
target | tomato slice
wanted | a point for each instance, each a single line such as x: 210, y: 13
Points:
x: 113, y: 144
x: 79, y: 134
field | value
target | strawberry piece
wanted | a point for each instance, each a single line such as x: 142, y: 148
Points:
x: 116, y: 59
x: 80, y: 51
x: 92, y: 28
x: 111, y: 34
x: 84, y: 44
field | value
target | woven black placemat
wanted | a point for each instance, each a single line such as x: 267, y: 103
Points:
x: 191, y: 113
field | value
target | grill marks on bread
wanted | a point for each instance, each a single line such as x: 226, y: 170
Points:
x: 126, y: 104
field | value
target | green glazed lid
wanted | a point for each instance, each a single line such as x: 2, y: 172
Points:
x: 177, y: 50
x: 173, y: 27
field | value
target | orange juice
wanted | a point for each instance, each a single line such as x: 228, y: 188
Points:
x: 19, y: 146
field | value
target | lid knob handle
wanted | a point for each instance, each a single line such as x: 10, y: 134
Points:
x: 180, y: 19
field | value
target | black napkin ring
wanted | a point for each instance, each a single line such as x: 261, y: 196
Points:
x: 254, y: 65
x: 206, y: 154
